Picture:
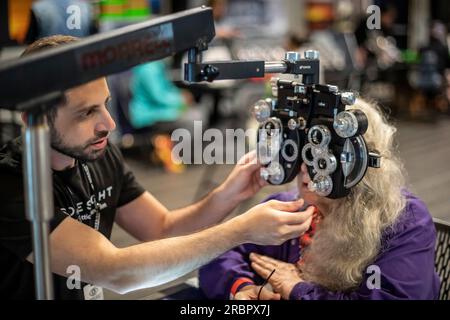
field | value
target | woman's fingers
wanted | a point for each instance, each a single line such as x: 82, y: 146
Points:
x: 269, y: 295
x: 261, y: 269
x: 268, y: 261
x: 264, y: 265
x: 242, y: 296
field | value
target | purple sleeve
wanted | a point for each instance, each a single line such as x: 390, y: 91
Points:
x: 406, y: 265
x: 217, y: 277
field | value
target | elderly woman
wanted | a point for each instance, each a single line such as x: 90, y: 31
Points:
x: 376, y: 243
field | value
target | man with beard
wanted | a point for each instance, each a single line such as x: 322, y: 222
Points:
x: 93, y: 188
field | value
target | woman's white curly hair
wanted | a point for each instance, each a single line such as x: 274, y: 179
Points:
x: 348, y: 239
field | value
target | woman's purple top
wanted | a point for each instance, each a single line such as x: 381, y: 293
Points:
x: 406, y: 263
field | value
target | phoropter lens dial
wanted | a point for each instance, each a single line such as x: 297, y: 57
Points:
x: 319, y: 136
x: 322, y: 185
x: 350, y: 123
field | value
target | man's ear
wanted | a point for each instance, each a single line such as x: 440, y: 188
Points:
x: 23, y: 115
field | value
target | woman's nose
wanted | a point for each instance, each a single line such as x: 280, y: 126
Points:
x: 303, y: 168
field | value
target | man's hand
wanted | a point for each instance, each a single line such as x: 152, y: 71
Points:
x: 273, y: 222
x: 285, y: 277
x: 250, y: 292
x: 243, y: 182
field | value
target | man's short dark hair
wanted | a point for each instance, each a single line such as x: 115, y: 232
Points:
x: 47, y: 43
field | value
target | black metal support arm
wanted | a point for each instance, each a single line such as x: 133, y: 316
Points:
x: 210, y: 71
x: 64, y: 67
x: 196, y: 71
x: 39, y: 187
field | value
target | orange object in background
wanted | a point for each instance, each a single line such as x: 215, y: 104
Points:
x: 319, y: 14
x: 19, y: 19
x: 163, y: 151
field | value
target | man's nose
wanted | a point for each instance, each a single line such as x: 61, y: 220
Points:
x: 107, y: 123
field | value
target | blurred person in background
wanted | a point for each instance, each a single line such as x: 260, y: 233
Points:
x: 385, y: 53
x: 428, y: 77
x: 156, y: 100
x: 438, y: 45
x: 224, y: 31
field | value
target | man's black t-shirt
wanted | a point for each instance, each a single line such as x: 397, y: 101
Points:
x: 114, y: 186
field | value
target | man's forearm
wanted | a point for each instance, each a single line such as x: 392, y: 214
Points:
x: 202, y: 214
x: 157, y: 262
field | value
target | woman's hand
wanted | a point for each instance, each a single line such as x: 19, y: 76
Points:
x: 250, y: 292
x: 285, y: 277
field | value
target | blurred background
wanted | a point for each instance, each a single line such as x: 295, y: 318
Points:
x: 403, y: 64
